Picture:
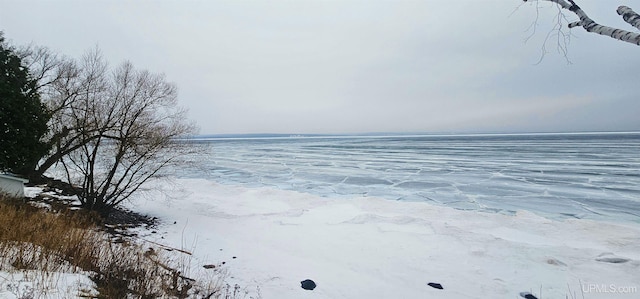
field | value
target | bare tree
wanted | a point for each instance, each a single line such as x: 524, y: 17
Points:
x: 111, y: 129
x: 590, y: 25
x: 125, y: 123
x: 62, y: 83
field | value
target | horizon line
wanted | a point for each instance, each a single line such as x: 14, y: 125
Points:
x: 403, y: 134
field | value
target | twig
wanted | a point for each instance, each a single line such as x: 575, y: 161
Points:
x: 168, y: 248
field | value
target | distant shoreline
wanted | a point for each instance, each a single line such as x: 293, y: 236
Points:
x: 392, y: 135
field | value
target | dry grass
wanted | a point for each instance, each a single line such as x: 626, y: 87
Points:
x: 33, y: 239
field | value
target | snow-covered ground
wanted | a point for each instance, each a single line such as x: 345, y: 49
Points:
x: 31, y: 284
x: 270, y: 240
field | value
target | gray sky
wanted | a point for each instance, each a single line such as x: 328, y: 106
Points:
x: 345, y: 66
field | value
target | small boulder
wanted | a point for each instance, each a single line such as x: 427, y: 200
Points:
x: 308, y: 284
x: 555, y: 262
x: 527, y: 295
x: 609, y: 257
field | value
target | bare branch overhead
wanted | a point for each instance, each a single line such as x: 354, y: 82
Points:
x: 591, y: 26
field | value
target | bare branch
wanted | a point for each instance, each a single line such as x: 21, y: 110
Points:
x: 629, y: 16
x: 591, y: 26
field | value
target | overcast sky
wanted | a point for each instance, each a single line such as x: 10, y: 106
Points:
x: 345, y: 66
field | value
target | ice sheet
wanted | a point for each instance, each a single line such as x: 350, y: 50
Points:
x: 594, y: 176
x: 367, y: 247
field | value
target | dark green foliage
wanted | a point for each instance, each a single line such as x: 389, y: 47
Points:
x: 23, y: 117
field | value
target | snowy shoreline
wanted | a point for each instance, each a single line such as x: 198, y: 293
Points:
x: 367, y: 247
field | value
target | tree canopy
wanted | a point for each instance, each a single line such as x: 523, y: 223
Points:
x: 122, y: 129
x: 111, y: 129
x: 23, y: 117
x: 108, y: 130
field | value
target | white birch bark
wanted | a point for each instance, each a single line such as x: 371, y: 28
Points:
x: 591, y: 26
x: 629, y: 16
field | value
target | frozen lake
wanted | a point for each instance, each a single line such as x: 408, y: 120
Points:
x: 559, y: 176
x: 382, y: 217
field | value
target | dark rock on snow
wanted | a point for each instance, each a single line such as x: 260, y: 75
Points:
x: 613, y: 260
x: 308, y: 284
x: 527, y: 295
x: 436, y: 285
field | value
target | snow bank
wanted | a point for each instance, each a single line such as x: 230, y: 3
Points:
x: 374, y: 248
x: 18, y: 284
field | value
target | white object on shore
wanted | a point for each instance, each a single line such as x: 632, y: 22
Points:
x: 12, y: 185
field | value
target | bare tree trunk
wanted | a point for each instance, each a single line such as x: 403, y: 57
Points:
x: 591, y: 26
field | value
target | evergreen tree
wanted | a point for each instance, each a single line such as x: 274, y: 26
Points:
x: 23, y: 117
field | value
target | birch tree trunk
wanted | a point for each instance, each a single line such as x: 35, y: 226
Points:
x: 629, y: 16
x: 590, y: 25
